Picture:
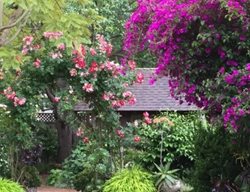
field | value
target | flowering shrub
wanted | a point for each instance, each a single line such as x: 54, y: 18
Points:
x: 167, y: 137
x: 203, y: 46
x: 56, y: 76
x: 88, y: 69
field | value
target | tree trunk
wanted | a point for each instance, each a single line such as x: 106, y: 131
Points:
x: 64, y: 140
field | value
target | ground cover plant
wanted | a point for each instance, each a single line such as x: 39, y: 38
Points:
x: 8, y: 185
x: 130, y: 179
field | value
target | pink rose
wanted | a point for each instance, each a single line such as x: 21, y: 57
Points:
x: 88, y: 87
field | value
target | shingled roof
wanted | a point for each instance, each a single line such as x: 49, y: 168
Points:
x: 150, y: 97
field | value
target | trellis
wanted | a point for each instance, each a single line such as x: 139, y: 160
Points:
x: 49, y: 117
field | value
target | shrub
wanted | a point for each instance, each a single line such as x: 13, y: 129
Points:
x: 214, y: 161
x: 176, y: 138
x: 10, y: 186
x: 4, y: 164
x: 85, y: 169
x: 57, y: 178
x: 30, y: 177
x: 132, y: 179
x: 45, y: 135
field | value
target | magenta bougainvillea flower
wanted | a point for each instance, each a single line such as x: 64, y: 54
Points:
x: 203, y: 47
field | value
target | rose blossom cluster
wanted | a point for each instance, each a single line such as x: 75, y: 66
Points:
x: 90, y: 72
x: 53, y: 34
x: 147, y: 119
x: 120, y: 133
x: 104, y: 46
x: 37, y: 63
x: 28, y: 45
x: 116, y: 102
x: 11, y: 95
x: 79, y: 57
x: 80, y: 133
x: 97, y: 75
x: 199, y: 49
x: 58, y: 53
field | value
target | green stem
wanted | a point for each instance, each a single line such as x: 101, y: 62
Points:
x: 161, y: 149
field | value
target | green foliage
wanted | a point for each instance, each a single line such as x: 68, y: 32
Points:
x: 38, y: 16
x: 30, y: 177
x: 10, y: 186
x: 243, y: 181
x: 176, y: 138
x: 46, y: 135
x: 12, y: 140
x: 132, y: 179
x: 95, y: 170
x: 57, y: 178
x: 4, y: 164
x: 86, y: 169
x: 213, y: 159
x: 165, y: 177
x: 115, y: 13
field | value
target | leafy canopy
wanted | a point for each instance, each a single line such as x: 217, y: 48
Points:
x: 21, y: 17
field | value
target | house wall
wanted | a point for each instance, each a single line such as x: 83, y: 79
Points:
x: 131, y: 116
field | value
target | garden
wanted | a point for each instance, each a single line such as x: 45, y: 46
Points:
x: 55, y: 55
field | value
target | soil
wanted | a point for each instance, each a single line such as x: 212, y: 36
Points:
x: 45, y: 188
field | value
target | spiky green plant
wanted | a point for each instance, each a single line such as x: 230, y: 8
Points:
x: 166, y: 178
x: 132, y: 179
x: 10, y: 186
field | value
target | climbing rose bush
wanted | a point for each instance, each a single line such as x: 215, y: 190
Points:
x: 203, y: 46
x: 88, y: 69
x: 57, y: 76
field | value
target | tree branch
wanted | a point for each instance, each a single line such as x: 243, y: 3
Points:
x: 16, y: 34
x: 50, y: 95
x: 15, y: 22
x: 58, y: 5
x: 52, y: 98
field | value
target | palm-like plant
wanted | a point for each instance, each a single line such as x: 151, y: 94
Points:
x: 166, y: 179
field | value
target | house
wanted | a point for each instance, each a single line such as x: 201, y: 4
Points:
x: 151, y: 98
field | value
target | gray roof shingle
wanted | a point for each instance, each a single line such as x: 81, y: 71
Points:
x: 150, y: 97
